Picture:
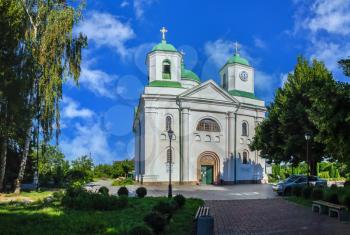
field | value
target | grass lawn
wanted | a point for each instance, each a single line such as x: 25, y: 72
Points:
x: 31, y: 196
x: 300, y: 200
x: 38, y: 218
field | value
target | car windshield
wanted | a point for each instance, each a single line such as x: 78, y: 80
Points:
x: 291, y: 179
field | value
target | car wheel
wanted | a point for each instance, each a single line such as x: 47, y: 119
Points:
x: 287, y: 191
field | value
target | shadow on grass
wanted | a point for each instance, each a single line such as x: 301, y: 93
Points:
x: 52, y: 218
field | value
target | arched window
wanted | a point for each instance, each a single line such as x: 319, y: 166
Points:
x: 224, y: 82
x: 166, y: 69
x: 168, y: 123
x: 245, y: 158
x: 208, y: 124
x: 244, y: 129
x: 168, y: 155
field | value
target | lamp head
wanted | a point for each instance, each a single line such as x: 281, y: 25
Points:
x: 170, y: 134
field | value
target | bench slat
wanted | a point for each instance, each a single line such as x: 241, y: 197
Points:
x: 332, y: 205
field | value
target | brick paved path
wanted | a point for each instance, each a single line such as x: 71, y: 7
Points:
x: 271, y: 216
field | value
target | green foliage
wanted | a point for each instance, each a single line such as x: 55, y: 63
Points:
x: 165, y: 207
x: 345, y: 65
x: 122, y: 182
x: 141, y: 192
x: 103, y: 171
x: 331, y: 195
x: 324, y: 174
x: 81, y: 169
x: 78, y: 198
x: 117, y: 169
x: 140, y: 230
x: 103, y: 190
x: 156, y: 221
x: 180, y: 200
x: 123, y: 191
x: 304, y: 104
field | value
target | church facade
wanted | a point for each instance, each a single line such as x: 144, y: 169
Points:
x: 213, y: 124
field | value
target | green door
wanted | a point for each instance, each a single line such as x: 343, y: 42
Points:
x: 207, y: 174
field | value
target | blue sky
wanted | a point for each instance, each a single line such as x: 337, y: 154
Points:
x: 97, y: 116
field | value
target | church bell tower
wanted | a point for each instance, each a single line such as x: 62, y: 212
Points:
x: 237, y: 76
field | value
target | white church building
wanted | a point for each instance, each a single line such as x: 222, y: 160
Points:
x: 213, y: 124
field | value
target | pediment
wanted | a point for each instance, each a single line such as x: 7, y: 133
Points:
x: 208, y: 91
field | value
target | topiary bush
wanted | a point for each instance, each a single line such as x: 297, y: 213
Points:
x: 180, y: 200
x: 165, y: 207
x: 123, y: 191
x: 306, y: 192
x: 296, y: 191
x: 317, y: 194
x: 103, y: 190
x: 156, y: 221
x: 141, y: 192
x: 140, y: 230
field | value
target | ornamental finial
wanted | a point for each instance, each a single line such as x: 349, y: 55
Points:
x: 236, y: 48
x: 163, y: 31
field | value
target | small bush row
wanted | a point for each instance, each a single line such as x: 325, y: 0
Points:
x: 333, y: 194
x: 76, y: 197
x: 162, y: 213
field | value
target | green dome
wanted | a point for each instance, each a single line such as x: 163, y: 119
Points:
x: 189, y: 75
x: 163, y: 46
x: 237, y: 59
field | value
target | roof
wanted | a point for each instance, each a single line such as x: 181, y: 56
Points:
x: 161, y: 83
x: 188, y: 75
x: 163, y: 46
x: 237, y: 59
x: 243, y: 94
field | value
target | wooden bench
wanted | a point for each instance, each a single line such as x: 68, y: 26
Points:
x: 204, y: 222
x: 333, y: 210
x: 202, y: 211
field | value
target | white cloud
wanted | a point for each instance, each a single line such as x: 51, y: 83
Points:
x: 124, y: 4
x: 325, y: 24
x: 330, y: 15
x: 140, y: 5
x: 106, y: 30
x: 283, y: 78
x: 219, y: 51
x: 259, y: 43
x: 329, y: 53
x: 71, y: 109
x: 88, y: 139
x: 98, y: 81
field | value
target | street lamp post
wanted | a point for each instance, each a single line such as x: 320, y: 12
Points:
x: 170, y: 134
x: 307, y: 138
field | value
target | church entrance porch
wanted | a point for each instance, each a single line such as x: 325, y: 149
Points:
x: 208, y: 166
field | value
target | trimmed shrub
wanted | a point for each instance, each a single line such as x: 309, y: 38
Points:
x: 345, y: 200
x: 103, y: 190
x: 296, y: 191
x: 156, y: 221
x: 165, y: 207
x: 306, y: 192
x: 140, y: 230
x: 141, y: 192
x: 331, y: 196
x: 334, y: 187
x: 74, y: 189
x: 180, y: 200
x: 123, y: 191
x: 317, y: 194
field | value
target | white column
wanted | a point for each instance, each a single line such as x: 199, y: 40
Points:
x: 185, y: 143
x: 230, y: 145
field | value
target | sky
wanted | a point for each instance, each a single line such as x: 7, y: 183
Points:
x: 97, y: 115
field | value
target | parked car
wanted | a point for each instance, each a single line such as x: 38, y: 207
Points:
x: 285, y: 187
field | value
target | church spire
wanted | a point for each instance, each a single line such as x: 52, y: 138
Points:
x: 236, y: 48
x: 163, y: 31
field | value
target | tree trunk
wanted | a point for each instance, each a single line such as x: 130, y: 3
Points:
x: 23, y: 162
x: 3, y: 156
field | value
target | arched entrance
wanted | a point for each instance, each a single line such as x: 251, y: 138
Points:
x: 208, y: 168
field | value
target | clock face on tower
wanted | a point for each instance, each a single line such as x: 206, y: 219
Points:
x: 243, y: 76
